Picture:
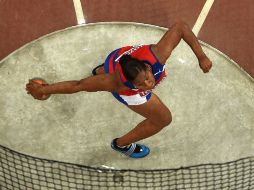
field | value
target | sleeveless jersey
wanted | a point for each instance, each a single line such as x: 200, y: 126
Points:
x: 140, y: 52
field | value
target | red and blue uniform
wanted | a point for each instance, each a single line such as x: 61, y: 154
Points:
x: 134, y: 96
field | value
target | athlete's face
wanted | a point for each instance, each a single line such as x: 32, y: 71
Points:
x: 145, y: 79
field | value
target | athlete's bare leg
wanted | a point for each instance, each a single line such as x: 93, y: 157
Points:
x: 157, y: 117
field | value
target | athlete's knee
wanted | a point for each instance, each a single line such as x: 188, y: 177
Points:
x: 165, y: 119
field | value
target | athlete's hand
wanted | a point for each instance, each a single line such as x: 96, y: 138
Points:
x: 35, y: 90
x: 205, y: 64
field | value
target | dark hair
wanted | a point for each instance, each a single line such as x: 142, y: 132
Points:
x: 131, y: 67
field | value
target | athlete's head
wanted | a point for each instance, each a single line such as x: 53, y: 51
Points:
x: 139, y: 73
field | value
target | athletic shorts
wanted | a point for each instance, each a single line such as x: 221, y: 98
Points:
x: 134, y: 99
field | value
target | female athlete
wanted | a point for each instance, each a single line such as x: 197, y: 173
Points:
x: 130, y: 74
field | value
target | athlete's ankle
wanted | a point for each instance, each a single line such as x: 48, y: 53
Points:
x: 133, y: 150
x: 120, y: 144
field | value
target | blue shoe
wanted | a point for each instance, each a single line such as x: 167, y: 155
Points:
x: 133, y: 150
x: 94, y: 70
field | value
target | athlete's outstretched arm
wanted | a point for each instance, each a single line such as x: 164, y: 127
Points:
x: 171, y: 39
x: 103, y: 82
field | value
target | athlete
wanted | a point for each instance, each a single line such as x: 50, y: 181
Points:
x: 130, y: 74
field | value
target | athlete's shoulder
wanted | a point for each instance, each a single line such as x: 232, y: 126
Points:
x: 157, y: 54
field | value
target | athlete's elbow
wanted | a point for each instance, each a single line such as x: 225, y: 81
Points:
x: 89, y: 86
x: 97, y: 83
x: 180, y: 27
x: 83, y: 85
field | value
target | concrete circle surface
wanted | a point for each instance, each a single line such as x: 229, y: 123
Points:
x: 213, y: 114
